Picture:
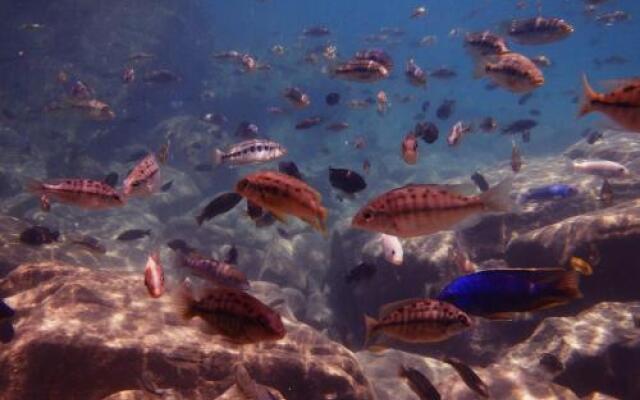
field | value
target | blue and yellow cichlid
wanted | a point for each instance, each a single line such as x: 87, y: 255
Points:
x: 499, y: 293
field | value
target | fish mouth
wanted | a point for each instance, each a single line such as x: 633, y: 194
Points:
x: 538, y: 81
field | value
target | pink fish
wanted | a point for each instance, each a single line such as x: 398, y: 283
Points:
x: 144, y: 179
x: 84, y: 193
x: 154, y: 275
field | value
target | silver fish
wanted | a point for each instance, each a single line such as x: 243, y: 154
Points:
x: 254, y: 151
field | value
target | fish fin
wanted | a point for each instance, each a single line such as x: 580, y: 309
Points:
x: 501, y: 316
x: 464, y: 189
x: 217, y: 156
x: 581, y: 266
x: 34, y: 186
x: 568, y: 285
x: 389, y: 307
x: 497, y: 198
x: 589, y: 96
x: 369, y: 325
x: 183, y: 300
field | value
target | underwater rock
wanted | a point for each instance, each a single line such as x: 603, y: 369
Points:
x: 105, y: 333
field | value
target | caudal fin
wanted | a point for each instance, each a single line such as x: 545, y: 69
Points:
x: 498, y: 197
x: 369, y: 325
x: 183, y: 300
x: 589, y: 96
x: 568, y: 285
x: 218, y: 156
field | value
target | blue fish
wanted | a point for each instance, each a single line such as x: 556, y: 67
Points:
x: 556, y: 191
x: 499, y: 293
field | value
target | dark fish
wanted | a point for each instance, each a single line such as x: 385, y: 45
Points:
x: 419, y: 383
x: 247, y: 130
x: 525, y: 98
x: 261, y: 217
x: 470, y: 378
x: 179, y: 245
x: 232, y: 255
x: 316, y: 31
x: 111, y: 179
x: 480, y: 181
x: 90, y: 243
x: 427, y: 131
x: 519, y: 126
x: 337, y: 126
x: 488, y: 124
x: 361, y: 272
x: 346, y: 180
x: 500, y: 293
x: 39, y: 235
x: 611, y: 60
x: 425, y: 106
x: 218, y: 272
x: 445, y: 109
x: 218, y: 206
x: 613, y: 17
x: 160, y: 76
x: 165, y: 187
x: 332, y: 99
x: 443, y: 73
x: 133, y: 234
x: 606, y: 193
x: 290, y: 168
x: 308, y: 123
x: 551, y: 363
x: 297, y: 97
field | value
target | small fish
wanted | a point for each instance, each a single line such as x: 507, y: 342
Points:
x: 500, y: 293
x: 282, y: 194
x: 392, y: 249
x: 84, y: 193
x: 409, y: 149
x: 611, y: 60
x: 133, y: 234
x: 416, y: 210
x: 337, y: 126
x: 541, y: 61
x: 445, y: 109
x: 366, y: 166
x: 297, y: 97
x: 427, y: 131
x: 458, y: 130
x: 93, y: 108
x: 166, y: 186
x: 160, y: 76
x: 418, y: 12
x: 247, y: 130
x: 593, y: 136
x: 332, y: 98
x: 613, y: 17
x: 308, y: 123
x: 549, y: 192
x: 154, y: 276
x: 90, y: 243
x: 516, y: 157
x: 214, y: 118
x: 602, y: 168
x: 382, y: 103
x: 480, y: 181
x: 252, y: 151
x: 140, y: 56
x: 38, y: 235
x: 419, y: 383
x: 361, y: 70
x: 290, y: 168
x: 551, y: 363
x: 215, y: 271
x: 417, y: 321
x: 346, y: 180
x: 128, y: 75
x: 488, y: 124
x: 234, y: 314
x: 361, y: 272
x: 622, y: 104
x: 512, y: 71
x: 221, y: 204
x: 232, y: 256
x: 415, y: 74
x: 259, y: 216
x: 606, y: 193
x: 485, y: 43
x: 519, y: 126
x: 144, y: 178
x: 179, y: 245
x: 316, y: 31
x: 469, y: 377
x: 539, y: 30
x: 443, y: 73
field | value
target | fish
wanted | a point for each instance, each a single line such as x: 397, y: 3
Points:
x: 488, y: 124
x: 83, y: 193
x: 283, y: 195
x: 316, y: 31
x: 346, y: 180
x: 551, y: 363
x: 308, y: 123
x: 606, y: 193
x: 409, y: 149
x: 232, y: 313
x: 519, y: 126
x: 417, y: 321
x: 361, y: 70
x: 621, y: 105
x: 38, y: 235
x: 249, y: 152
x: 485, y: 43
x: 418, y: 12
x: 232, y: 255
x: 549, y: 192
x: 212, y: 270
x: 539, y: 30
x: 427, y: 131
x: 144, y: 179
x: 90, y: 243
x: 140, y: 56
x: 613, y: 17
x: 480, y: 181
x: 415, y: 74
x: 111, y: 179
x: 249, y: 387
x: 516, y: 157
x: 337, y: 126
x: 377, y: 55
x: 160, y: 76
x: 512, y: 71
x: 419, y: 383
x: 422, y: 209
x: 445, y: 109
x: 392, y: 249
x: 601, y: 168
x: 458, y: 130
x: 246, y: 130
x: 128, y: 75
x: 361, y: 272
x: 154, y: 275
x: 221, y: 204
x: 611, y: 60
x: 7, y: 332
x: 382, y: 102
x: 166, y: 186
x: 332, y: 99
x: 443, y: 73
x: 469, y: 377
x: 501, y: 293
x: 133, y: 234
x: 297, y: 97
x: 290, y: 168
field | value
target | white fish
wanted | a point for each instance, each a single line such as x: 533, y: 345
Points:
x: 602, y: 168
x: 154, y: 275
x: 253, y: 151
x: 392, y: 249
x: 457, y: 131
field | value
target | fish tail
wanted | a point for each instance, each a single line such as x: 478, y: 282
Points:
x: 589, y: 95
x: 217, y: 156
x: 369, y: 324
x: 34, y: 186
x: 183, y: 300
x: 497, y: 198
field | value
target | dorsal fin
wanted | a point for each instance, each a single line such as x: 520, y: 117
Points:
x: 390, y: 307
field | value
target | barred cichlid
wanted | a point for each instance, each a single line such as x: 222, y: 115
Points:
x: 253, y: 151
x: 417, y: 321
x: 539, y: 30
x: 419, y: 383
x: 485, y: 43
x: 212, y: 270
x: 84, y: 193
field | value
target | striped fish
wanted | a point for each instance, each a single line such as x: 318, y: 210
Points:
x: 539, y: 30
x: 283, y: 195
x: 213, y: 270
x: 254, y: 151
x: 622, y: 104
x: 154, y: 275
x: 485, y: 43
x: 84, y: 193
x: 417, y: 321
x: 512, y: 71
x: 416, y: 210
x: 144, y: 178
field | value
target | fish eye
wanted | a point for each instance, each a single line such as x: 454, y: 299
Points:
x: 463, y: 319
x: 368, y: 216
x: 393, y: 252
